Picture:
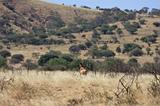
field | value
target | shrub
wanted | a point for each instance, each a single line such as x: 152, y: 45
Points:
x: 132, y: 28
x: 88, y: 44
x: 130, y: 46
x: 142, y: 21
x: 88, y: 64
x: 133, y: 63
x: 152, y: 68
x: 119, y: 31
x: 105, y: 53
x: 74, y: 64
x: 5, y: 53
x: 106, y: 29
x: 148, y: 50
x: 104, y: 47
x: 113, y: 65
x: 74, y: 49
x: 118, y: 49
x: 148, y: 39
x: 30, y: 65
x: 69, y: 36
x: 2, y: 61
x: 95, y: 34
x: 157, y: 24
x: 57, y: 64
x: 82, y: 46
x: 17, y: 58
x: 46, y: 57
x: 67, y: 57
x: 136, y: 52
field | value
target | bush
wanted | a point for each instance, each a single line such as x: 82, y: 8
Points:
x: 106, y: 29
x: 152, y: 68
x: 5, y: 53
x: 148, y: 50
x: 57, y: 64
x: 67, y: 57
x: 46, y: 57
x: 136, y: 52
x: 88, y: 64
x: 17, y: 58
x: 30, y: 65
x: 119, y: 31
x: 113, y: 65
x: 74, y: 49
x: 88, y: 44
x: 142, y: 21
x: 2, y: 61
x: 104, y: 53
x: 104, y: 47
x: 157, y: 24
x: 118, y: 49
x: 148, y: 39
x: 130, y: 46
x: 95, y: 34
x: 82, y: 46
x: 132, y: 28
x: 133, y: 63
x: 74, y: 64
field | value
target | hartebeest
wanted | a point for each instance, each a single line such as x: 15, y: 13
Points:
x: 82, y: 70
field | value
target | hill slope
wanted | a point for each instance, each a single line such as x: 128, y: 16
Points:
x: 22, y: 15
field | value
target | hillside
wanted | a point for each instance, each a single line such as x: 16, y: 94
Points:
x: 37, y: 30
x: 22, y: 15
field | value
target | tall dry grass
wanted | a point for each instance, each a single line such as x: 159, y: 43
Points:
x: 70, y: 89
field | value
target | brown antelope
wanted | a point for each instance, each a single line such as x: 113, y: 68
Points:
x: 82, y: 70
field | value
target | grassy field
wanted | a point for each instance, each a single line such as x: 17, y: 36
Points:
x: 70, y: 89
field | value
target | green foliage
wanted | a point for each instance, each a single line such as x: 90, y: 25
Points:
x: 67, y: 57
x: 5, y: 53
x: 96, y: 34
x: 88, y: 44
x: 2, y: 61
x: 119, y: 31
x: 106, y: 29
x: 57, y: 64
x: 74, y: 49
x: 157, y: 24
x: 131, y: 27
x: 113, y: 65
x: 46, y: 57
x: 104, y: 47
x: 136, y: 52
x: 30, y: 65
x: 39, y: 31
x: 118, y: 49
x: 17, y: 58
x: 133, y: 63
x: 147, y: 39
x: 74, y: 65
x: 142, y: 21
x: 113, y: 15
x: 101, y: 53
x: 54, y: 21
x: 88, y: 64
x: 148, y: 50
x: 130, y: 46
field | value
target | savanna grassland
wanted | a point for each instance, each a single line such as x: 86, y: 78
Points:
x: 70, y: 89
x: 42, y: 46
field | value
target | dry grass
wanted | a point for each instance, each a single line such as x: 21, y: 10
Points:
x: 71, y: 89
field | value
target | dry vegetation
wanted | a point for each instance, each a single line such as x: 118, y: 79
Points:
x: 35, y: 87
x: 71, y: 89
